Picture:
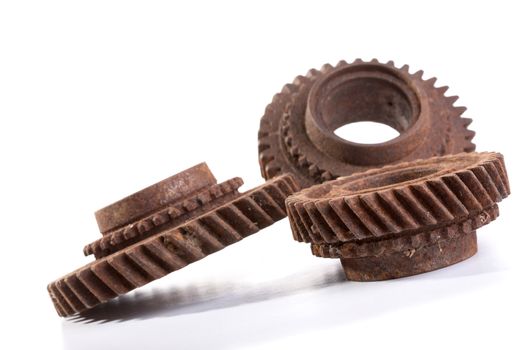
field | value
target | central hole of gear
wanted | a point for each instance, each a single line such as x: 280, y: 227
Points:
x: 366, y: 99
x: 367, y: 132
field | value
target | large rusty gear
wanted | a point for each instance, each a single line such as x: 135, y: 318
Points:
x: 372, y: 219
x: 296, y: 133
x: 220, y: 216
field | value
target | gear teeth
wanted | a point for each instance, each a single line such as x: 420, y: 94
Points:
x: 404, y: 243
x: 418, y: 75
x: 298, y: 81
x: 442, y: 89
x: 282, y: 148
x: 172, y: 215
x: 469, y: 135
x: 170, y: 250
x: 476, y: 182
x: 326, y: 68
x: 452, y: 99
x: 432, y: 81
x: 459, y: 111
x: 341, y: 63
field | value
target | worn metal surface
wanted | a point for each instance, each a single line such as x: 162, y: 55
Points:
x: 166, y: 231
x: 401, y: 219
x: 296, y: 134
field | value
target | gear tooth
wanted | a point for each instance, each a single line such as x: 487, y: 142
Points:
x: 341, y: 64
x: 391, y: 64
x: 332, y: 219
x: 354, y: 228
x: 432, y: 81
x: 487, y: 182
x: 397, y: 210
x: 272, y: 169
x: 463, y: 192
x: 476, y: 187
x: 405, y: 68
x: 418, y: 75
x: 320, y: 226
x: 434, y: 210
x: 466, y: 121
x: 374, y: 60
x: 298, y: 81
x: 460, y: 110
x: 312, y: 73
x: 452, y: 99
x: 289, y: 89
x: 296, y: 222
x: 306, y: 223
x: 442, y: 89
x: 382, y: 213
x: 499, y: 163
x: 417, y: 210
x: 365, y: 215
x: 498, y: 178
x: 358, y: 61
x: 469, y: 135
x: 277, y: 98
x: 326, y: 68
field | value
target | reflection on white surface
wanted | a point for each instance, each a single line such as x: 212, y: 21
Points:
x: 239, y: 313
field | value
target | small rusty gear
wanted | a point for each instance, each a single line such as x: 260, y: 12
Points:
x: 296, y: 133
x: 188, y: 217
x: 372, y: 219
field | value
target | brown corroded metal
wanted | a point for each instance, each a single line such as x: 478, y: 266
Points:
x: 296, y: 134
x: 401, y: 219
x: 165, y: 227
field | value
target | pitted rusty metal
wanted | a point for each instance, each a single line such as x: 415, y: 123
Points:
x: 372, y: 219
x: 296, y: 133
x: 165, y: 227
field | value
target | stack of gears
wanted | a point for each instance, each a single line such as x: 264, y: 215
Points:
x: 394, y: 209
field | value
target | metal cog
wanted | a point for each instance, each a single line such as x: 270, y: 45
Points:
x: 218, y: 217
x: 399, y: 198
x: 296, y: 131
x: 402, y: 219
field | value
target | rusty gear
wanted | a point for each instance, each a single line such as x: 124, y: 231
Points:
x: 219, y: 216
x: 296, y: 133
x: 408, y: 207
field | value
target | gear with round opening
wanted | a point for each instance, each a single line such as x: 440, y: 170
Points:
x: 401, y: 219
x: 300, y: 130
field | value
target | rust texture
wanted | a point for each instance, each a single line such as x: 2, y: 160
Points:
x: 401, y: 219
x: 296, y: 133
x: 164, y: 228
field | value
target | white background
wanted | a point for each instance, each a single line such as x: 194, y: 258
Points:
x: 99, y: 99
